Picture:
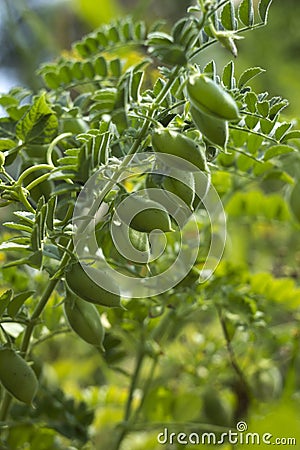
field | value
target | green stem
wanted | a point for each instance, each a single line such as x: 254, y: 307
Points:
x: 128, y: 408
x: 138, y: 366
x: 6, y: 401
x: 214, y: 41
x: 50, y: 336
x: 23, y: 199
x: 3, y: 171
x: 30, y: 170
x: 244, y: 153
x: 135, y: 147
x: 38, y: 181
x: 5, y: 406
x: 53, y: 282
x: 146, y: 388
x: 129, y: 418
x: 53, y: 144
x: 232, y: 357
x: 257, y: 133
x: 35, y: 315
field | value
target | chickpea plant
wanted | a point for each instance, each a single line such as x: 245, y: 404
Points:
x: 98, y: 111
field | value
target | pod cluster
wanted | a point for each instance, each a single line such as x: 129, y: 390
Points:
x: 211, y: 108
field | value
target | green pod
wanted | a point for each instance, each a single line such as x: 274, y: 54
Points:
x: 213, y: 129
x: 202, y: 186
x: 84, y: 287
x: 184, y: 189
x: 144, y: 215
x: 266, y: 383
x: 215, y: 409
x: 134, y: 245
x: 155, y: 190
x: 210, y: 98
x: 84, y: 319
x: 176, y: 144
x: 189, y: 280
x: 154, y: 180
x: 17, y: 376
x: 130, y: 245
x: 178, y: 182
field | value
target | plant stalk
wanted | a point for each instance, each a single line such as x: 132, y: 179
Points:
x: 53, y: 282
x: 7, y: 398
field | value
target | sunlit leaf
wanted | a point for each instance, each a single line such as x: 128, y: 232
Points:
x: 248, y: 74
x: 277, y: 150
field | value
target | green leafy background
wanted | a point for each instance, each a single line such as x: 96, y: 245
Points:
x: 247, y: 315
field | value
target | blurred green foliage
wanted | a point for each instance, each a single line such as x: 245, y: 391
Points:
x: 276, y: 48
x: 32, y: 35
x: 248, y: 313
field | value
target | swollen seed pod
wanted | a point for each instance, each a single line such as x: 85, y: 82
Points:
x: 84, y: 319
x: 189, y: 280
x: 176, y: 144
x: 17, y: 376
x: 127, y: 244
x: 183, y: 189
x: 178, y: 182
x: 138, y: 242
x: 202, y: 186
x: 215, y: 130
x: 215, y: 409
x: 83, y: 286
x: 143, y: 214
x: 210, y: 98
x: 266, y: 383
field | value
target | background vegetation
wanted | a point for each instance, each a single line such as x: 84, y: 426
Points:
x: 245, y: 329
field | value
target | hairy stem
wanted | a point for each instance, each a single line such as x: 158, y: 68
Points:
x: 130, y: 418
x: 232, y: 357
x: 53, y: 282
x: 7, y: 398
x: 128, y: 407
x: 241, y: 387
